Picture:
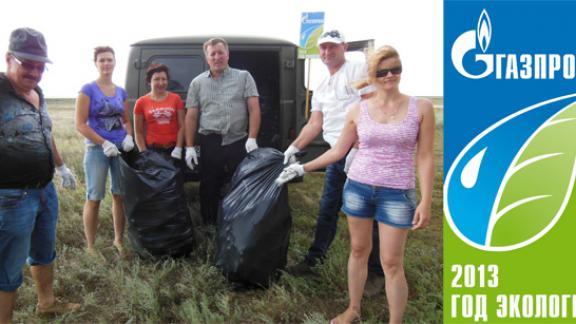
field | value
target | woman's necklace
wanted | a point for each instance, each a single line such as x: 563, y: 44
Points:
x: 390, y: 115
x: 108, y: 88
x: 158, y: 97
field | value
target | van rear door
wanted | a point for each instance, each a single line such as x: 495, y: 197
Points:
x: 271, y: 64
x: 272, y: 67
x: 288, y: 95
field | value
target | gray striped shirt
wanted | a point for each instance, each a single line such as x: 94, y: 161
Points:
x: 222, y: 103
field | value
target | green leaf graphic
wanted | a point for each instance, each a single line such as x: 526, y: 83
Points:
x: 312, y: 43
x: 311, y: 48
x: 538, y: 185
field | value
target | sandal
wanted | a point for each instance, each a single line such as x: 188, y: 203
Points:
x: 57, y: 307
x: 122, y: 252
x: 95, y: 255
x: 348, y: 317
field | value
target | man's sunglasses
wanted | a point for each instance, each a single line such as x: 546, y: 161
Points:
x: 332, y: 33
x: 384, y: 72
x: 30, y: 66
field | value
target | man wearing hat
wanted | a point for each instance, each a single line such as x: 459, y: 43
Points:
x: 329, y: 108
x: 28, y: 159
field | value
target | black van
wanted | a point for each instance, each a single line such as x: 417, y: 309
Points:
x: 273, y: 63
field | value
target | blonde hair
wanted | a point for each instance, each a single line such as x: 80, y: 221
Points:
x: 382, y: 53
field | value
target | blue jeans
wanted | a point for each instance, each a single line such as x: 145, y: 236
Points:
x: 96, y: 168
x: 28, y: 220
x: 327, y: 221
x: 394, y: 207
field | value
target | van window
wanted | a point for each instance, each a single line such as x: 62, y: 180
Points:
x: 182, y: 70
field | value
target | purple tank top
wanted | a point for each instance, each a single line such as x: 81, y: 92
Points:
x: 106, y: 113
x: 385, y: 156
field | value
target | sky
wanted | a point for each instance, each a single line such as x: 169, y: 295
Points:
x: 73, y: 28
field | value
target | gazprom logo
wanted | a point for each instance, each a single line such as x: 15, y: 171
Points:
x: 509, y: 66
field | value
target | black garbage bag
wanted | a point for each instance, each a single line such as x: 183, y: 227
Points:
x: 254, y: 221
x: 155, y: 205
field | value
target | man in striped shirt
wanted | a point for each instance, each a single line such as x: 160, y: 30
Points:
x: 222, y: 105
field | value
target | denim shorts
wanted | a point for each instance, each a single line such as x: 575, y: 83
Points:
x: 96, y: 167
x: 28, y: 220
x: 394, y: 207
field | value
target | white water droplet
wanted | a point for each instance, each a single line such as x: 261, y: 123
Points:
x: 470, y: 172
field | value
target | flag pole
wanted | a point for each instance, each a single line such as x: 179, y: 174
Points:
x: 307, y: 111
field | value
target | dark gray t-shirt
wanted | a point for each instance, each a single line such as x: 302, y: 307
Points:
x: 25, y: 140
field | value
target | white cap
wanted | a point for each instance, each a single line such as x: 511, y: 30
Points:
x: 331, y: 36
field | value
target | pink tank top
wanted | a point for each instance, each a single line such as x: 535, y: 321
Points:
x: 385, y: 156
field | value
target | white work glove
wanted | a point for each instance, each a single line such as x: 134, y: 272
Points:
x: 289, y: 154
x: 110, y: 150
x: 290, y: 172
x: 128, y: 143
x: 191, y: 156
x: 251, y: 144
x: 349, y: 159
x: 176, y: 153
x: 68, y: 179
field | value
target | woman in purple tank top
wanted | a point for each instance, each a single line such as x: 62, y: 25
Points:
x: 394, y: 136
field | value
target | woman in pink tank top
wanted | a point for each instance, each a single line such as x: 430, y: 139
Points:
x: 394, y: 134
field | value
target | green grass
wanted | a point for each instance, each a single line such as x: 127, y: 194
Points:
x: 193, y: 291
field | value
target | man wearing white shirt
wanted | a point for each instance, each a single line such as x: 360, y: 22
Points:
x: 330, y: 104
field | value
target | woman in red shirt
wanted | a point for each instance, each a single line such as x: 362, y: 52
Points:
x: 159, y: 115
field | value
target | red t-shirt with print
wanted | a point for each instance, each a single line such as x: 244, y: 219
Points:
x: 160, y: 118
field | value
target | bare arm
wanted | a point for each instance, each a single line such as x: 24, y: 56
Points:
x: 425, y: 162
x: 139, y: 132
x: 191, y: 125
x: 127, y: 121
x: 57, y: 158
x: 82, y: 113
x: 309, y: 132
x: 180, y: 136
x: 254, y: 117
x: 66, y: 175
x: 347, y: 138
x: 367, y: 95
x: 364, y: 97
